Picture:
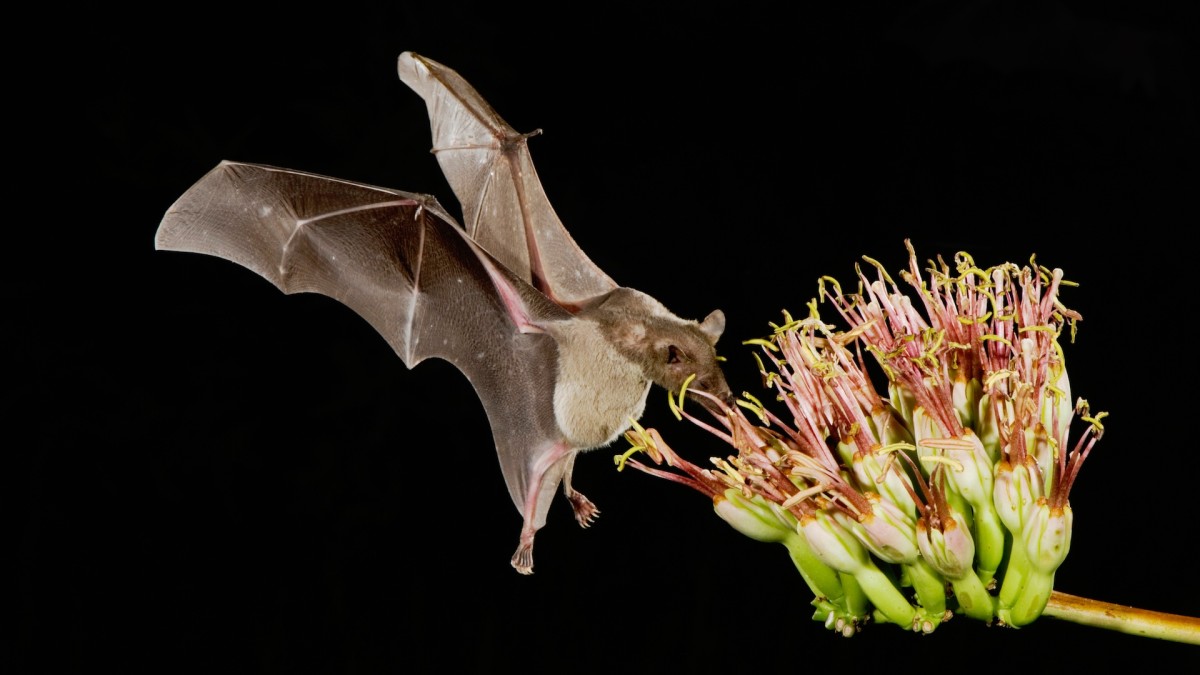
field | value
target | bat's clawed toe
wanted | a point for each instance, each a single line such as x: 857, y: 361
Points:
x: 586, y: 512
x: 522, y: 560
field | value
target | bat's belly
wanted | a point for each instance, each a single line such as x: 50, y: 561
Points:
x: 597, y: 391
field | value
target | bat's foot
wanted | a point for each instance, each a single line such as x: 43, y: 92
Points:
x: 585, y: 511
x: 522, y: 560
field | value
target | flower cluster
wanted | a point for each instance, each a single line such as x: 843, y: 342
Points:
x: 946, y: 495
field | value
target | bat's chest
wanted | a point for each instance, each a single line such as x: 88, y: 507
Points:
x: 597, y: 391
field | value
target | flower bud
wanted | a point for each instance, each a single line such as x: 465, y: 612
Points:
x: 974, y: 479
x: 886, y: 531
x: 894, y: 487
x: 1016, y: 490
x: 1044, y: 449
x: 987, y: 425
x: 949, y: 550
x: 924, y: 427
x: 904, y: 401
x: 889, y: 426
x: 833, y: 544
x: 751, y: 517
x: 1047, y: 535
x: 964, y: 394
x: 1057, y: 399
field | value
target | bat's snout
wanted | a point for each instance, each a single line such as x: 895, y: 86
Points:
x: 716, y: 394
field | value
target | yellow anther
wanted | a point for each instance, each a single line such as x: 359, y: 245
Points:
x: 996, y: 376
x: 788, y: 325
x: 895, y: 447
x: 683, y: 389
x: 947, y: 443
x: 967, y: 320
x: 941, y: 459
x: 747, y: 395
x: 882, y: 271
x: 1095, y: 421
x: 813, y: 312
x: 976, y: 272
x: 937, y: 341
x: 995, y: 338
x: 767, y: 344
x: 620, y: 459
x: 728, y: 469
x: 757, y: 410
x: 802, y: 495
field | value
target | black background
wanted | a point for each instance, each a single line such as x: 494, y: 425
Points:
x: 214, y: 477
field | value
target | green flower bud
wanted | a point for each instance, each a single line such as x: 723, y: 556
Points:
x: 1047, y: 535
x: 834, y: 544
x: 1016, y: 490
x: 836, y: 547
x: 950, y: 550
x: 964, y: 394
x: 889, y: 426
x: 752, y: 517
x: 987, y: 424
x: 886, y: 531
x: 974, y: 479
x: 1058, y: 398
x: 924, y: 427
x: 895, y: 486
x: 903, y: 401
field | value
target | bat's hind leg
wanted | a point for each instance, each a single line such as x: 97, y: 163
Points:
x: 551, y: 468
x: 585, y: 511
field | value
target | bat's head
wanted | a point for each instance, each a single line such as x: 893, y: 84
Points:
x: 670, y: 350
x: 689, y: 352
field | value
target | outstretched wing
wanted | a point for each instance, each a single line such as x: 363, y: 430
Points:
x: 404, y: 265
x: 488, y: 166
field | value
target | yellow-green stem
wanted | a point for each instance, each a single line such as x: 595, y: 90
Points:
x: 929, y: 586
x: 1123, y: 619
x: 1031, y: 601
x: 856, y: 601
x: 1015, y: 572
x: 989, y: 543
x: 822, y: 580
x: 884, y: 595
x: 973, y: 598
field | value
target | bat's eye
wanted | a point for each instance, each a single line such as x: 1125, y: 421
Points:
x: 674, y: 354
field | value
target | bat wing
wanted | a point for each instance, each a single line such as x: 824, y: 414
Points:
x: 404, y: 265
x: 488, y: 166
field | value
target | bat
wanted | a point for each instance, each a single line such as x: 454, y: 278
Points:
x: 561, y: 357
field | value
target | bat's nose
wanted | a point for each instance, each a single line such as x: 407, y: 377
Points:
x: 723, y: 394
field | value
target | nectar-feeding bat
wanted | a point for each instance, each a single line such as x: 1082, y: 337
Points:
x: 560, y: 355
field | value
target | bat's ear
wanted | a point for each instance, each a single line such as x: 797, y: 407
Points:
x: 713, y: 325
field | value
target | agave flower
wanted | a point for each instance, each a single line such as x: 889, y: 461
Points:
x: 937, y: 486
